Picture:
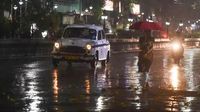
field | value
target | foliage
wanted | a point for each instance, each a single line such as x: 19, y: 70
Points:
x: 97, y: 11
x: 195, y: 34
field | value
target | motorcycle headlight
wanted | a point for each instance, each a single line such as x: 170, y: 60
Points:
x: 88, y: 46
x: 176, y: 46
x: 56, y: 45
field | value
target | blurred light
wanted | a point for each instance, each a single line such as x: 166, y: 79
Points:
x: 44, y: 33
x: 87, y: 86
x: 90, y: 7
x: 33, y: 27
x: 56, y: 45
x: 110, y: 31
x: 135, y: 8
x: 174, y: 77
x: 99, y: 104
x: 55, y: 84
x: 104, y: 17
x: 130, y: 20
x: 88, y: 47
x: 164, y: 34
x: 15, y: 7
x: 150, y: 20
x: 180, y: 24
x: 120, y: 7
x: 55, y: 6
x: 86, y: 10
x: 167, y: 23
x: 21, y: 2
x: 108, y: 5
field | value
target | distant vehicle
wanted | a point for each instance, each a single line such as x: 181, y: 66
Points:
x: 82, y: 43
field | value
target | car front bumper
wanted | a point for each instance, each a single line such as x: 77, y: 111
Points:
x: 72, y: 57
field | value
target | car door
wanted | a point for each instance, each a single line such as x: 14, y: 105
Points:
x: 104, y: 45
x: 100, y: 45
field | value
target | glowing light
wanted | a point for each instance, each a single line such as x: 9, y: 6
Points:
x: 15, y: 7
x: 174, y: 77
x: 108, y: 5
x: 135, y: 8
x: 87, y: 86
x: 99, y: 104
x: 33, y: 91
x: 55, y: 6
x: 44, y: 33
x: 167, y: 23
x: 120, y: 7
x: 55, y: 82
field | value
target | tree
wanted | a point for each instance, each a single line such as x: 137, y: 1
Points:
x: 97, y: 10
x: 5, y: 23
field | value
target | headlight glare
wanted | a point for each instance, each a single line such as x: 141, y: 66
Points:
x: 57, y: 45
x: 176, y: 46
x: 88, y: 47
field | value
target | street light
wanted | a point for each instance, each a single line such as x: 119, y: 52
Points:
x: 55, y: 6
x: 26, y: 3
x: 104, y: 20
x: 180, y: 24
x: 20, y: 21
x: 86, y: 13
x: 15, y: 18
x: 15, y: 9
x: 90, y: 7
x: 167, y: 24
x: 130, y: 20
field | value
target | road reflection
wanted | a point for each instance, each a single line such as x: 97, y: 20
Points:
x: 87, y: 85
x: 174, y: 78
x: 55, y: 84
x: 29, y: 87
x: 102, y: 82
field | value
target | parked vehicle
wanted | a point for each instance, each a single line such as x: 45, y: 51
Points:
x: 82, y: 43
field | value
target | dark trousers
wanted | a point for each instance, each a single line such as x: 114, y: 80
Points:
x: 145, y: 61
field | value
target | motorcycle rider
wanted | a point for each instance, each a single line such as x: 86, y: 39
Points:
x: 146, y: 54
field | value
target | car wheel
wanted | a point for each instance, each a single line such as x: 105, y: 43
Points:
x: 55, y: 62
x: 94, y: 62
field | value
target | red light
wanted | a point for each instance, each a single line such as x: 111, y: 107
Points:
x: 164, y: 34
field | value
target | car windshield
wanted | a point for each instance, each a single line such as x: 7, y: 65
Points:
x: 85, y: 33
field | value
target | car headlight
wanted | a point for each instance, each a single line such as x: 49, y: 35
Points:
x: 56, y: 45
x: 88, y: 46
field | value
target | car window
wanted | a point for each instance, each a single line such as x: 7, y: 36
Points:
x: 99, y: 35
x: 85, y: 33
x: 103, y: 35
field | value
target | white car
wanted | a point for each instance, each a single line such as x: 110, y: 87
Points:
x: 82, y: 43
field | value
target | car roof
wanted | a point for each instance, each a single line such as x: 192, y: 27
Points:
x: 85, y: 26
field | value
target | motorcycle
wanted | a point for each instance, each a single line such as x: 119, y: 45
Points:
x: 177, y: 51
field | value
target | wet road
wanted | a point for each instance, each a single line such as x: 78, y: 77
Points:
x: 33, y: 85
